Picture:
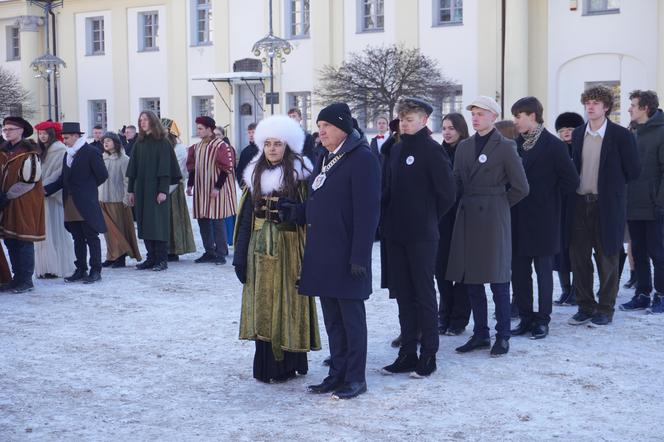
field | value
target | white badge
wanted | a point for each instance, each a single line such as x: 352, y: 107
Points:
x: 482, y: 158
x: 318, y: 181
x: 410, y: 160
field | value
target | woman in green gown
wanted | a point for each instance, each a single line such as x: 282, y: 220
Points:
x: 269, y: 244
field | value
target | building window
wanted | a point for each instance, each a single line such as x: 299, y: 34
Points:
x: 97, y: 110
x: 593, y: 7
x: 202, y: 106
x: 151, y: 104
x: 94, y: 35
x: 297, y: 18
x: 447, y: 12
x: 450, y: 101
x: 202, y: 14
x: 148, y: 31
x: 372, y: 15
x: 13, y: 43
x: 615, y: 88
x: 302, y: 101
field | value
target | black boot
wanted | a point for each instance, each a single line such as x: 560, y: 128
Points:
x: 107, y: 263
x: 94, y: 276
x: 631, y: 283
x: 120, y: 262
x: 78, y: 275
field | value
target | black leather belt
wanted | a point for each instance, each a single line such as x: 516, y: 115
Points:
x: 589, y: 197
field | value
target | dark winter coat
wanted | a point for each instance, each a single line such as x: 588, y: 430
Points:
x: 419, y: 189
x: 619, y: 164
x: 342, y: 217
x: 647, y: 192
x: 536, y: 219
x: 481, y: 249
x: 81, y: 180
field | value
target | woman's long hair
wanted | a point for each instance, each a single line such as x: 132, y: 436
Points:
x: 44, y: 146
x: 459, y: 124
x: 290, y: 185
x: 157, y: 130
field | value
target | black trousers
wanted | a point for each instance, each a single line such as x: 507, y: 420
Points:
x: 22, y: 259
x: 454, y: 305
x: 648, y: 244
x: 501, y: 300
x: 346, y: 326
x: 157, y: 251
x: 522, y: 287
x: 213, y: 234
x: 85, y: 237
x: 412, y: 269
x: 584, y: 238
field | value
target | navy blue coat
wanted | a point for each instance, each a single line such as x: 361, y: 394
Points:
x: 342, y: 217
x: 536, y: 218
x: 619, y: 164
x: 81, y: 181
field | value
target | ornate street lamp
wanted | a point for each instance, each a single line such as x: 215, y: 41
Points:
x: 48, y: 65
x: 271, y: 47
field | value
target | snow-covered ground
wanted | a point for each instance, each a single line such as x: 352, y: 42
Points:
x: 155, y: 356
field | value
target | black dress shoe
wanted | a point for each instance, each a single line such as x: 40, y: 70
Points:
x: 540, y: 331
x: 93, y: 277
x: 160, y: 267
x: 205, y: 257
x: 220, y: 260
x: 563, y: 298
x: 455, y: 331
x: 78, y: 275
x: 328, y: 385
x: 145, y: 265
x: 631, y: 283
x: 119, y: 263
x: 23, y: 287
x: 107, y: 263
x: 474, y: 343
x: 500, y: 347
x: 523, y: 328
x: 425, y: 367
x: 601, y: 319
x: 350, y: 390
x: 443, y: 326
x: 403, y: 364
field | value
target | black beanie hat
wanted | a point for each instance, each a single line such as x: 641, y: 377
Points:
x: 569, y: 119
x: 337, y: 114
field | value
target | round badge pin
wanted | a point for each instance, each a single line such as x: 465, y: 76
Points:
x: 482, y: 158
x: 410, y: 160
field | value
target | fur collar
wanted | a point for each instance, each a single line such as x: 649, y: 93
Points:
x: 272, y: 179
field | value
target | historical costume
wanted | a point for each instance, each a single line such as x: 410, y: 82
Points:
x: 268, y: 256
x: 181, y: 239
x: 54, y: 257
x: 22, y: 196
x: 121, y: 235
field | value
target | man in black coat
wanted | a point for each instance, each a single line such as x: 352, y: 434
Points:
x: 536, y: 218
x: 246, y: 155
x: 606, y: 158
x: 83, y: 171
x: 342, y: 216
x: 309, y: 148
x: 419, y: 191
x: 381, y: 137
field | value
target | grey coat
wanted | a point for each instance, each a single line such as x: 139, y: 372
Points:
x: 646, y: 192
x: 481, y: 250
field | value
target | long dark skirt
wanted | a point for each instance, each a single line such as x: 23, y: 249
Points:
x: 267, y: 369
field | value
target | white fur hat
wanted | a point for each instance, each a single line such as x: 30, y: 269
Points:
x: 283, y: 128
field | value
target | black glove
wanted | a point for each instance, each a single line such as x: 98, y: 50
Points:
x: 241, y: 273
x: 358, y: 271
x: 659, y: 213
x: 287, y: 209
x: 4, y: 201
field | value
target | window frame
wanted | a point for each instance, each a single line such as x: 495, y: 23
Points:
x: 196, y: 107
x: 89, y: 36
x: 142, y: 34
x: 437, y: 7
x: 196, y: 8
x: 92, y: 122
x: 143, y: 104
x: 362, y: 16
x: 304, y: 17
x: 13, y: 36
x: 587, y: 11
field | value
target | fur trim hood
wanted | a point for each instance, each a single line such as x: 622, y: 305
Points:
x: 272, y: 179
x: 282, y: 128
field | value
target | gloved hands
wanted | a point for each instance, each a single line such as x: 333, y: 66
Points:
x: 287, y: 209
x: 241, y: 273
x: 358, y: 271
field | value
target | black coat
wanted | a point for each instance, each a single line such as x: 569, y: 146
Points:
x: 247, y: 154
x: 536, y: 218
x: 81, y: 181
x: 419, y: 189
x: 619, y: 164
x: 308, y: 150
x: 342, y: 217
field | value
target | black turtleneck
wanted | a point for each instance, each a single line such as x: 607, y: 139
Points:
x: 481, y: 140
x: 451, y: 150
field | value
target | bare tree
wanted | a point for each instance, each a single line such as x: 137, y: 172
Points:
x: 14, y: 99
x: 371, y: 82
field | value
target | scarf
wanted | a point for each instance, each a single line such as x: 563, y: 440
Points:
x: 71, y: 151
x: 530, y: 138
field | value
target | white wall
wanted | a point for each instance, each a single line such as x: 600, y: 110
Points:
x: 609, y: 47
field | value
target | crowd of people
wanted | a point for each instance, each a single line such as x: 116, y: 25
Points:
x: 482, y: 209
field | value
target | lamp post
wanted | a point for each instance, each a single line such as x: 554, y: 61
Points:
x: 271, y: 47
x: 48, y: 64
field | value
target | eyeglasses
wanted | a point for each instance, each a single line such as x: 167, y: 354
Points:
x: 4, y: 131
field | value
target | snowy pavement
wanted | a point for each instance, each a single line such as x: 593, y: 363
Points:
x: 155, y: 356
